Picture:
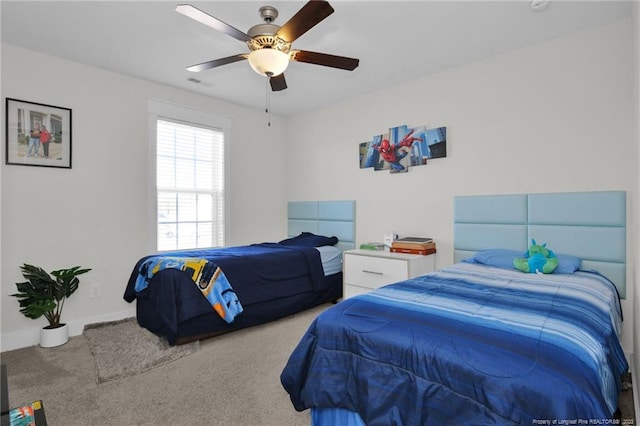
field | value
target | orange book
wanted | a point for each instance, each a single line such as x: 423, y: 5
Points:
x: 413, y: 250
x: 419, y: 246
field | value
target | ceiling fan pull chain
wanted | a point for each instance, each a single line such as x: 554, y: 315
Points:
x: 268, y: 99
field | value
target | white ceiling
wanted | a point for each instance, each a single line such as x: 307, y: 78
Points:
x: 395, y: 41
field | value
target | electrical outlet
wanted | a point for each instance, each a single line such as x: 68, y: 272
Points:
x: 95, y: 291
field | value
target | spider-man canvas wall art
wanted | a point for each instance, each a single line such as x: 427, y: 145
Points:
x: 403, y: 147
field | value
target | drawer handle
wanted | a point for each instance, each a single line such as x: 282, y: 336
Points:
x: 372, y: 272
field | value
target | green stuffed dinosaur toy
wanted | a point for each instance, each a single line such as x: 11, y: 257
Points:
x: 538, y: 259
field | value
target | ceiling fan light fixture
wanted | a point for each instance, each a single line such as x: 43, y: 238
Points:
x: 268, y: 61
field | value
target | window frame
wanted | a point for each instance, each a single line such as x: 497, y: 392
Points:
x: 161, y: 110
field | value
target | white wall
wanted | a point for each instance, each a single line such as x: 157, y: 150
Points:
x: 558, y: 116
x: 636, y: 202
x: 96, y: 214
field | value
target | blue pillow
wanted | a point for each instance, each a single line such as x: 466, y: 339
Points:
x: 503, y: 258
x: 309, y: 239
x: 567, y: 264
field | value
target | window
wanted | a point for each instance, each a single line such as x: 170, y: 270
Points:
x: 190, y: 183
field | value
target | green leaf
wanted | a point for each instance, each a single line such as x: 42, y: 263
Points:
x: 38, y: 308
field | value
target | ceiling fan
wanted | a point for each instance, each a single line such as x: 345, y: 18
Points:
x: 270, y: 44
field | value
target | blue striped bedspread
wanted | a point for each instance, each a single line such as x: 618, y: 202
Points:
x: 469, y: 344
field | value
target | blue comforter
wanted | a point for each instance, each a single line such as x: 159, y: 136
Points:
x: 469, y: 344
x: 257, y: 272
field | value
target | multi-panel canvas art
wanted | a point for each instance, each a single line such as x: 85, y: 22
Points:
x: 403, y: 147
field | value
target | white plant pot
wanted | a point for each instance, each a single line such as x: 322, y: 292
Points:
x: 51, y: 337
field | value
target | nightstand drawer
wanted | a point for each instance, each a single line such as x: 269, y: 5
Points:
x: 354, y: 290
x: 373, y: 272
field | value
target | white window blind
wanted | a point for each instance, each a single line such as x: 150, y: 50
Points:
x: 190, y: 186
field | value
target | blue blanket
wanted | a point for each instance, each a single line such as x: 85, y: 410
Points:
x: 469, y: 344
x: 208, y: 277
x: 259, y: 273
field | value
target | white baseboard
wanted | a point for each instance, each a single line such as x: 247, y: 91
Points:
x: 31, y: 337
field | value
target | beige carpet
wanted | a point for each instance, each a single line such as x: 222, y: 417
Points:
x: 232, y: 380
x: 123, y: 348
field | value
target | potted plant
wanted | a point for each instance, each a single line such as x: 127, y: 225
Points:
x: 44, y: 294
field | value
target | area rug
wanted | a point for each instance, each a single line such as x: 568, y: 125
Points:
x: 123, y: 348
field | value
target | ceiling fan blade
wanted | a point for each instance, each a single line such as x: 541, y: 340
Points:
x: 278, y: 82
x: 204, y: 18
x: 324, y: 59
x: 217, y: 62
x: 309, y: 16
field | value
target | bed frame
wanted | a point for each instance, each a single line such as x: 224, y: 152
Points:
x: 589, y: 225
x: 329, y: 218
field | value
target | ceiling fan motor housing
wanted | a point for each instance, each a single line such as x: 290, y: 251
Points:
x: 263, y: 35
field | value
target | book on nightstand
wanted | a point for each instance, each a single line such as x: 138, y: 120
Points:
x: 422, y: 251
x: 372, y: 246
x: 414, y: 240
x: 414, y: 243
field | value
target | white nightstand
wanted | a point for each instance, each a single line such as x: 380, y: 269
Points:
x: 365, y: 270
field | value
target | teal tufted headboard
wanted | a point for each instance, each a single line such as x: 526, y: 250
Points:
x: 329, y: 218
x: 589, y: 225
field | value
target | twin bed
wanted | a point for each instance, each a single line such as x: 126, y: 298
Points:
x: 480, y: 342
x: 268, y: 280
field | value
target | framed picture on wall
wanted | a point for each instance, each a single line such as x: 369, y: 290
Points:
x: 37, y: 134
